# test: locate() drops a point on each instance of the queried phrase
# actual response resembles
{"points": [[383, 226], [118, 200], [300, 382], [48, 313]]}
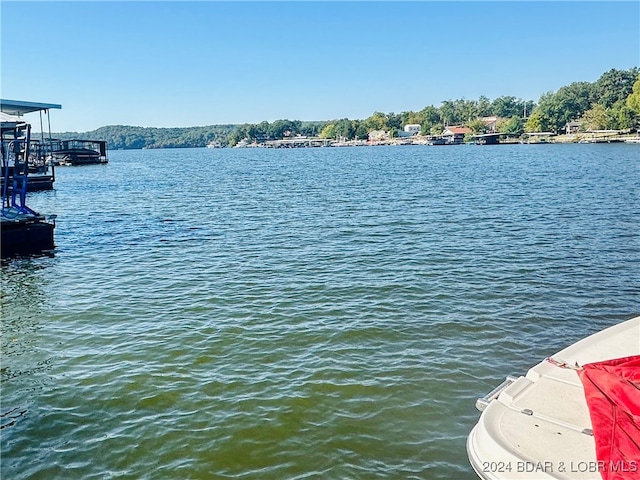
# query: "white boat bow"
{"points": [[538, 426]]}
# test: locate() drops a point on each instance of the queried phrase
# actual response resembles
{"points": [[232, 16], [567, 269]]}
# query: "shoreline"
{"points": [[315, 142]]}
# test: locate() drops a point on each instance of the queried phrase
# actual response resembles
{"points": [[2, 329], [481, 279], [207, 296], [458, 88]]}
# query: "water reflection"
{"points": [[23, 303]]}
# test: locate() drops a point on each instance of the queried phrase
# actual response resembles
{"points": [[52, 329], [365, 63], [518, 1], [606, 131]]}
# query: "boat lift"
{"points": [[15, 150]]}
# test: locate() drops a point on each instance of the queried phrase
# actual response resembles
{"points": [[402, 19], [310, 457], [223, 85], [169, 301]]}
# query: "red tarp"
{"points": [[612, 389]]}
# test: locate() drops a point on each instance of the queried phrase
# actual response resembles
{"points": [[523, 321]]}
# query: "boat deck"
{"points": [[539, 426]]}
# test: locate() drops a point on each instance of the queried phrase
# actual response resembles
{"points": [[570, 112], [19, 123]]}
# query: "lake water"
{"points": [[304, 313]]}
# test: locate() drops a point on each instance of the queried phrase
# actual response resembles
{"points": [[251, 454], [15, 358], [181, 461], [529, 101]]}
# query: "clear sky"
{"points": [[180, 64]]}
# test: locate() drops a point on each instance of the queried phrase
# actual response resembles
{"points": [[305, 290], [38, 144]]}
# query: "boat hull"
{"points": [[24, 237]]}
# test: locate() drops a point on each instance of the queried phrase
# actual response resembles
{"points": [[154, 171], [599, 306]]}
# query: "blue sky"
{"points": [[179, 64]]}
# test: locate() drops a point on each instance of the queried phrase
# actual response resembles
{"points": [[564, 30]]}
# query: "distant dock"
{"points": [[312, 142], [79, 152]]}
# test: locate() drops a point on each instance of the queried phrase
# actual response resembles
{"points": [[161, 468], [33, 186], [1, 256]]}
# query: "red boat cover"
{"points": [[612, 389]]}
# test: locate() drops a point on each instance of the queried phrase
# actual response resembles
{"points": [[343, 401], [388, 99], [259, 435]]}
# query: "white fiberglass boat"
{"points": [[576, 415]]}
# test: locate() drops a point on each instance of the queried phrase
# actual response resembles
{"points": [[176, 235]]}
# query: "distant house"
{"points": [[412, 128], [572, 127], [409, 130], [455, 134], [377, 135], [491, 123]]}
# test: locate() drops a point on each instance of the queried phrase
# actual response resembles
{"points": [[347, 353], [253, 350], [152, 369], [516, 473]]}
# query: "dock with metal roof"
{"points": [[22, 230]]}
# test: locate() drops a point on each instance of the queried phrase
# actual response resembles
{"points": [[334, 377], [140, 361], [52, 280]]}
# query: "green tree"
{"points": [[431, 117], [256, 132], [597, 118], [437, 129], [235, 136], [344, 129], [514, 126], [538, 122], [361, 132], [622, 116], [377, 121], [483, 106], [633, 100], [614, 86], [329, 131], [466, 110], [506, 107], [477, 126], [567, 104], [412, 118], [282, 128], [394, 120], [527, 108], [448, 113]]}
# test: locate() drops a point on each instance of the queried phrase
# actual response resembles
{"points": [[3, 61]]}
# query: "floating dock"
{"points": [[79, 152], [25, 233]]}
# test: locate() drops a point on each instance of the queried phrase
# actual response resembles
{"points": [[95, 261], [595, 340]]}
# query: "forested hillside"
{"points": [[127, 137]]}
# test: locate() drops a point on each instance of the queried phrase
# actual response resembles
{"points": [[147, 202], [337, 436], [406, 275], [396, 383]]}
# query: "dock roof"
{"points": [[19, 107]]}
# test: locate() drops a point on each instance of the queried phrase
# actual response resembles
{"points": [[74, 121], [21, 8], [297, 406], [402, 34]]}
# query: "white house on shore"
{"points": [[410, 130]]}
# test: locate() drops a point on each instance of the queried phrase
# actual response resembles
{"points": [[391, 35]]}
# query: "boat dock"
{"points": [[22, 230], [602, 136], [41, 168], [79, 152]]}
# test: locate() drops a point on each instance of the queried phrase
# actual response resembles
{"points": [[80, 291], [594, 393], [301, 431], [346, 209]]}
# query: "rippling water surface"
{"points": [[311, 313]]}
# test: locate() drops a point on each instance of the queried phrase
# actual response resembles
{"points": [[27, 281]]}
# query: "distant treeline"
{"points": [[611, 102], [127, 137]]}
